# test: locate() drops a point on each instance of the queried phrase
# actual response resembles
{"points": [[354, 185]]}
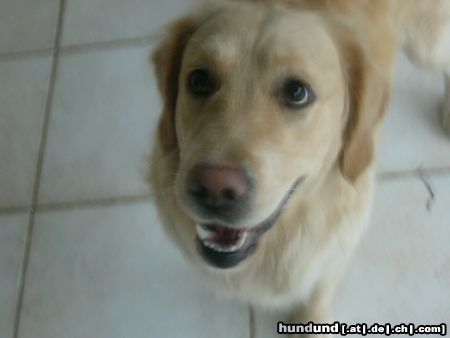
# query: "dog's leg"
{"points": [[425, 35], [318, 308]]}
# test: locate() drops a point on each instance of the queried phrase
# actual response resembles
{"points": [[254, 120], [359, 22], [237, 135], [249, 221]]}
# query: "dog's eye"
{"points": [[295, 94], [201, 83]]}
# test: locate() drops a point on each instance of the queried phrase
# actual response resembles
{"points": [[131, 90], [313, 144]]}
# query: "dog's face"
{"points": [[257, 108]]}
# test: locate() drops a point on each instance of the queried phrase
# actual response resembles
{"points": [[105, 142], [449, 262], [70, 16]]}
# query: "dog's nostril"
{"points": [[199, 191], [229, 194]]}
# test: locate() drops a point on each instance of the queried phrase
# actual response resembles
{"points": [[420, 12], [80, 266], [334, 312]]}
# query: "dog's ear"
{"points": [[167, 60], [369, 82]]}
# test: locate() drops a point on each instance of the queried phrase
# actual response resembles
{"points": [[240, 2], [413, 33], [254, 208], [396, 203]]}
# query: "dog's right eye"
{"points": [[201, 83], [295, 94]]}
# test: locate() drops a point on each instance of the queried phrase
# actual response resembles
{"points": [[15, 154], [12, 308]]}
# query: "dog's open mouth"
{"points": [[221, 238], [225, 247]]}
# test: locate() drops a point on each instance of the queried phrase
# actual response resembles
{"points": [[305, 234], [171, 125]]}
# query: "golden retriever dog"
{"points": [[263, 169]]}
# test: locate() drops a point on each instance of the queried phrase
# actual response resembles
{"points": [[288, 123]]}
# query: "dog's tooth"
{"points": [[242, 240], [217, 247], [214, 246], [202, 233]]}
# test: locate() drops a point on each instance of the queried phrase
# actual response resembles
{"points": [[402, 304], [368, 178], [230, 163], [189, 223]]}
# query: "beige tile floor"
{"points": [[81, 250]]}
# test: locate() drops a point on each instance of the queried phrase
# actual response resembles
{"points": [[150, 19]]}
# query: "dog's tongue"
{"points": [[224, 236], [221, 238]]}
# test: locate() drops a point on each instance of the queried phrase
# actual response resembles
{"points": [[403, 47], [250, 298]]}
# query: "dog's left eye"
{"points": [[296, 94], [201, 83]]}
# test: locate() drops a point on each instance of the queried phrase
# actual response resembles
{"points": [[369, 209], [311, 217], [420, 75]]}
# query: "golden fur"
{"points": [[346, 50]]}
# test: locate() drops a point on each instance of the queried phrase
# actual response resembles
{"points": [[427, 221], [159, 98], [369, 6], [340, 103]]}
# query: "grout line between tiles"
{"points": [[37, 177], [7, 56], [83, 47], [105, 45], [14, 210], [54, 206], [93, 203], [407, 174]]}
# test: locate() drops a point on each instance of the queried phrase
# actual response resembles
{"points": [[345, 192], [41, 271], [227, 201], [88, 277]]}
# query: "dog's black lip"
{"points": [[226, 260]]}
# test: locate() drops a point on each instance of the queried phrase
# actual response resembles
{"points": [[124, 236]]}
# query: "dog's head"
{"points": [[260, 102]]}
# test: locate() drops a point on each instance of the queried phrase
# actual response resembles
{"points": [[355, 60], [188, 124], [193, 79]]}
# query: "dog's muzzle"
{"points": [[223, 246]]}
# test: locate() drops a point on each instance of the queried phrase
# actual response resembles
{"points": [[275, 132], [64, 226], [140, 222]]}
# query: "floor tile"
{"points": [[412, 134], [104, 20], [27, 24], [101, 126], [23, 93], [401, 272], [110, 272], [12, 235]]}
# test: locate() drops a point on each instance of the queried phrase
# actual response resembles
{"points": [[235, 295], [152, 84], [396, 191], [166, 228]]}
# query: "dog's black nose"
{"points": [[220, 191]]}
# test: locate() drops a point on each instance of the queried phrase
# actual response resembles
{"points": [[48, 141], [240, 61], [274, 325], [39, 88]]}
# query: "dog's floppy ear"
{"points": [[368, 95], [167, 62]]}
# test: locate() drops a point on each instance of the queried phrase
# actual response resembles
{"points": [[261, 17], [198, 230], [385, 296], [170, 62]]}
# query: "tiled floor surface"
{"points": [[81, 251]]}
